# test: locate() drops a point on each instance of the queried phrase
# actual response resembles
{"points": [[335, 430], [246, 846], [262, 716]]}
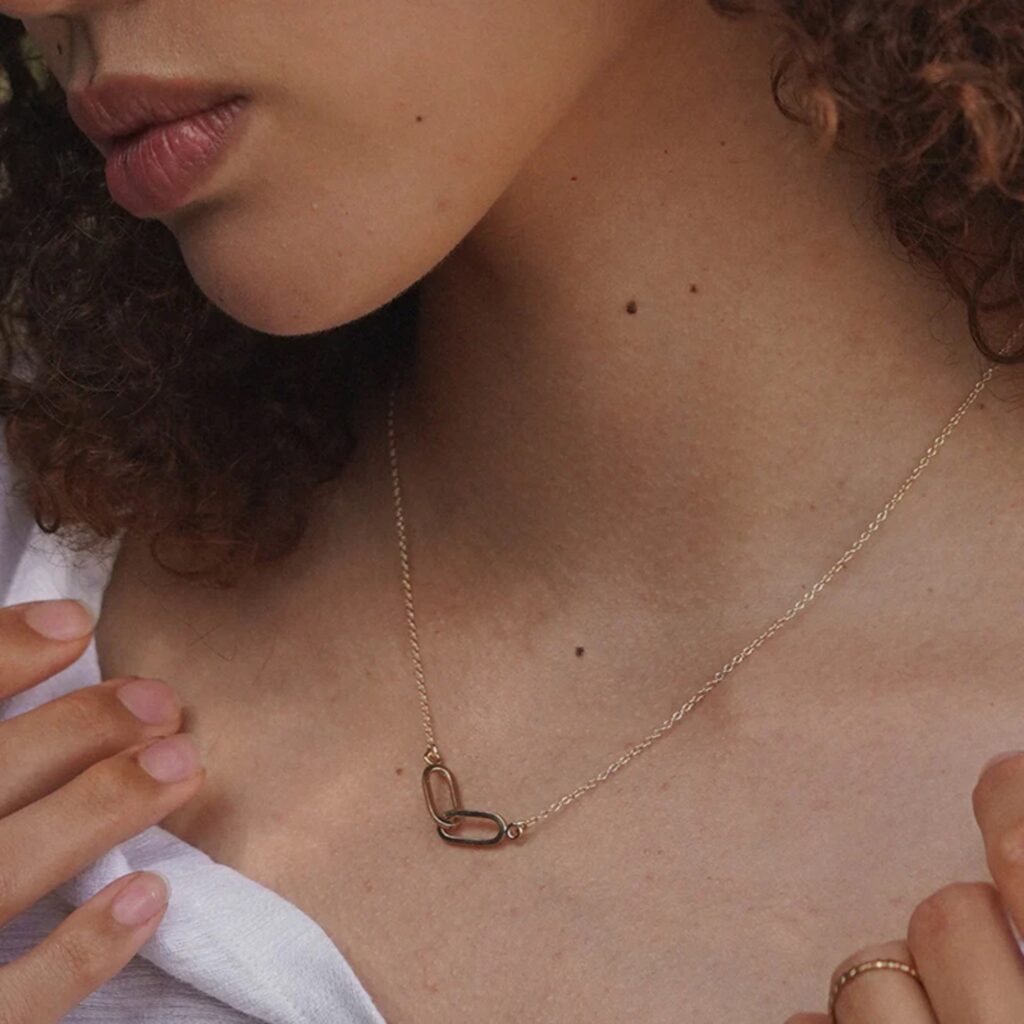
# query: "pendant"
{"points": [[456, 813]]}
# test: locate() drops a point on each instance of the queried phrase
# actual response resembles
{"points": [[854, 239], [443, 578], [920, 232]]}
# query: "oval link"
{"points": [[462, 813], [453, 793]]}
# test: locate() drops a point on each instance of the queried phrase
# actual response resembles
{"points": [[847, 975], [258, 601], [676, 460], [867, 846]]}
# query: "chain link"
{"points": [[433, 756]]}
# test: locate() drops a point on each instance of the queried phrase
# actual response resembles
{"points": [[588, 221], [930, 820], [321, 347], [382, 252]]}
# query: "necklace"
{"points": [[448, 821]]}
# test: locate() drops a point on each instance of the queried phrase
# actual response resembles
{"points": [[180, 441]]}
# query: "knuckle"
{"points": [[79, 956], [946, 910], [118, 789], [105, 787], [88, 715]]}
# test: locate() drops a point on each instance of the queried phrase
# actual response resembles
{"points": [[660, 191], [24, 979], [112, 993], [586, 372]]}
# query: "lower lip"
{"points": [[156, 171]]}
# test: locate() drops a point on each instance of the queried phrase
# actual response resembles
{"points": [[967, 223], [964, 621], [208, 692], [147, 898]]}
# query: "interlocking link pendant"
{"points": [[453, 816]]}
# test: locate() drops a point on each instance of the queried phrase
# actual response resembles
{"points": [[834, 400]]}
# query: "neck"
{"points": [[782, 372]]}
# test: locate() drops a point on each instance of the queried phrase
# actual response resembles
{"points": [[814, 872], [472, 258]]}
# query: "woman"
{"points": [[666, 354]]}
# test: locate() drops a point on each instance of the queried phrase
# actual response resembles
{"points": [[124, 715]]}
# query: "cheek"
{"points": [[322, 215], [319, 227], [49, 38], [369, 160]]}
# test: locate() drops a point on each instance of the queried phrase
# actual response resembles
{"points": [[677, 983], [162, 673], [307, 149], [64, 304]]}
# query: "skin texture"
{"points": [[668, 179], [959, 938], [656, 486], [372, 155]]}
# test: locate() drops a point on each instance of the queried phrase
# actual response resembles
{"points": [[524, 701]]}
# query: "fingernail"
{"points": [[172, 759], [999, 757], [150, 700], [140, 899], [60, 620]]}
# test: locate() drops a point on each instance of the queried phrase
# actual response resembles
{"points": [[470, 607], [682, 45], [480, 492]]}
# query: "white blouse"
{"points": [[228, 950]]}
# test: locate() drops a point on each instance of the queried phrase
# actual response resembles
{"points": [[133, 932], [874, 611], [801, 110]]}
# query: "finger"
{"points": [[967, 956], [38, 639], [880, 996], [87, 948], [104, 805], [43, 748], [998, 802]]}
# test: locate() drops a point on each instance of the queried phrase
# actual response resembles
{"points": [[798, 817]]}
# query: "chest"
{"points": [[797, 813]]}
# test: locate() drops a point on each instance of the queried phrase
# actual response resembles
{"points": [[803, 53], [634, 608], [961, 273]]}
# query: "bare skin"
{"points": [[799, 813], [655, 487]]}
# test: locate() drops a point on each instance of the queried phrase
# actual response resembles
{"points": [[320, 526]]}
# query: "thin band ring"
{"points": [[867, 965]]}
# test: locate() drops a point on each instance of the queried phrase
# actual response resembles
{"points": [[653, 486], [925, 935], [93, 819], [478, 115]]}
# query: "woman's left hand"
{"points": [[970, 968]]}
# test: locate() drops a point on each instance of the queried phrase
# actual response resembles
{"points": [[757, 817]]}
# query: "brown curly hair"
{"points": [[130, 401]]}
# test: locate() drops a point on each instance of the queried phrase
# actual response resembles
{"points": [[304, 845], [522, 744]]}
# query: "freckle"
{"points": [[60, 49], [574, 178], [721, 142], [419, 117], [693, 288], [399, 771], [367, 885], [631, 306], [579, 652]]}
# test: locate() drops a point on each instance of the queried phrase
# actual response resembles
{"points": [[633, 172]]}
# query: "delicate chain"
{"points": [[433, 756]]}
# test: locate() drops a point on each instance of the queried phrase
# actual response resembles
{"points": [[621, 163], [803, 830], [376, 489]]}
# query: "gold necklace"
{"points": [[451, 818]]}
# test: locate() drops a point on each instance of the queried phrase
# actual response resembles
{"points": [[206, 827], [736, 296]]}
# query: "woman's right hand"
{"points": [[78, 775]]}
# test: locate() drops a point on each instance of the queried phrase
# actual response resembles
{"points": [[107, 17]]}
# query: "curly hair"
{"points": [[130, 401]]}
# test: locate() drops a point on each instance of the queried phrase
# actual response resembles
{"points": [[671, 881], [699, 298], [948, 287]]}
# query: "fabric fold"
{"points": [[223, 934], [230, 937]]}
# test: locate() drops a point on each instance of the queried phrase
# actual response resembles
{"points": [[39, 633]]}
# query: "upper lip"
{"points": [[118, 105]]}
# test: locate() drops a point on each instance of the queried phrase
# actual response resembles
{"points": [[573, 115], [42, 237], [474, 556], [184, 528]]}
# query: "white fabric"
{"points": [[229, 950]]}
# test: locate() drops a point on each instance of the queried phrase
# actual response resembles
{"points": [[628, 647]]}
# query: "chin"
{"points": [[270, 306], [269, 282]]}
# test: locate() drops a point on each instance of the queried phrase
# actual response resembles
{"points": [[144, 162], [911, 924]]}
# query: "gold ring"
{"points": [[867, 965]]}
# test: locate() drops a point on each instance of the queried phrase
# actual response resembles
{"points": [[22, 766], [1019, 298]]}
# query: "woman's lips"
{"points": [[155, 171]]}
